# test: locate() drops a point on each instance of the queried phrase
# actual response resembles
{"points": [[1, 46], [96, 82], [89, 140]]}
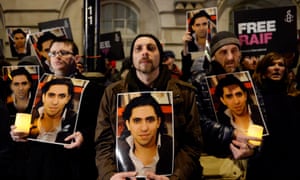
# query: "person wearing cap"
{"points": [[169, 58], [222, 140], [147, 73], [219, 139]]}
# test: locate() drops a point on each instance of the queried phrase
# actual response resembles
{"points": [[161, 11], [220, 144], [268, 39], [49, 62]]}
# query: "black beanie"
{"points": [[222, 38]]}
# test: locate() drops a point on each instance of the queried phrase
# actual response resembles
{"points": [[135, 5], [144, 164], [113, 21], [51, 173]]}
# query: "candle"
{"points": [[255, 131], [22, 122]]}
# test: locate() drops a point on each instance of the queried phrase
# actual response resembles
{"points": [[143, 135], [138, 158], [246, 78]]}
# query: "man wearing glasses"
{"points": [[50, 161], [64, 56]]}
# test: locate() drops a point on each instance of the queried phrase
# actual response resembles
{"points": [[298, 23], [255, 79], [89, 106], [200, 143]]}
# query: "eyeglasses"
{"points": [[60, 53]]}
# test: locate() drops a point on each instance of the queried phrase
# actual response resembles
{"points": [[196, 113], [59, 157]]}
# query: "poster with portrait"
{"points": [[195, 23], [19, 41], [20, 84], [56, 108], [145, 123], [40, 42], [234, 98]]}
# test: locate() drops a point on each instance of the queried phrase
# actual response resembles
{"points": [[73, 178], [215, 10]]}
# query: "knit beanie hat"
{"points": [[222, 38]]}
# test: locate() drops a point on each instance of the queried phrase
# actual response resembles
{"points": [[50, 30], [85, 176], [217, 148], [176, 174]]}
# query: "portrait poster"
{"points": [[56, 108], [32, 70], [64, 22], [229, 101], [19, 41], [145, 120], [211, 31], [58, 32], [265, 30], [111, 46]]}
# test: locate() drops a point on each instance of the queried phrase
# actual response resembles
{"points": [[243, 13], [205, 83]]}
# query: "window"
{"points": [[119, 17]]}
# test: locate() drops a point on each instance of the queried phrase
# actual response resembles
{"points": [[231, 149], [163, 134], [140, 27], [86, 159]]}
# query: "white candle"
{"points": [[22, 122], [255, 131]]}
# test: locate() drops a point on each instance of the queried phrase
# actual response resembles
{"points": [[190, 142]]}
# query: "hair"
{"points": [[17, 72], [61, 81], [157, 42], [168, 54], [21, 71], [201, 13], [144, 100], [18, 31], [66, 42], [264, 63], [43, 38], [126, 64]]}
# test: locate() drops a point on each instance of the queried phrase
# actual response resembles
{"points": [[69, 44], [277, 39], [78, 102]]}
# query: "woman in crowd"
{"points": [[272, 159]]}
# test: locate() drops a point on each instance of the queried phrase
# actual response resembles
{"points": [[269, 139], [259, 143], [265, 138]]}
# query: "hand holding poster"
{"points": [[56, 109], [145, 140]]}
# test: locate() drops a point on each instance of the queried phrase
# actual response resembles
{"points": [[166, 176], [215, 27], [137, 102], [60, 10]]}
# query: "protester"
{"points": [[249, 62], [148, 74], [21, 92], [277, 153], [222, 140], [169, 60], [75, 160]]}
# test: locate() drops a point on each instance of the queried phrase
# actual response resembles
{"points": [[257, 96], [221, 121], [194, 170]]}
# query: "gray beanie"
{"points": [[222, 38]]}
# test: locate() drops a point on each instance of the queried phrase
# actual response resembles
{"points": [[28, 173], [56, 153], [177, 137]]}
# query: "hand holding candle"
{"points": [[255, 131], [23, 122]]}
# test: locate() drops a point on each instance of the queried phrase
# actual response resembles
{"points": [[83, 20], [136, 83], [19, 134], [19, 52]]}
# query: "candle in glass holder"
{"points": [[255, 131], [22, 122]]}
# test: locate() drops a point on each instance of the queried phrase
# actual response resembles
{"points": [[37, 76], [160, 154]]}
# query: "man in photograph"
{"points": [[54, 119], [144, 145], [237, 108]]}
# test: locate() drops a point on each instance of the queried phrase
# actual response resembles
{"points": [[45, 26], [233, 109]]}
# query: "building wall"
{"points": [[156, 16]]}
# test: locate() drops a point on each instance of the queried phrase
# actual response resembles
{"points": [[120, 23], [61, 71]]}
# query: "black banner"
{"points": [[264, 30]]}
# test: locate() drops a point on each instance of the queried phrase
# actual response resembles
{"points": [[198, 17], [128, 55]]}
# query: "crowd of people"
{"points": [[90, 152]]}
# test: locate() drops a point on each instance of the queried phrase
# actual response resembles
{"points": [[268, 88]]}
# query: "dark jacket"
{"points": [[216, 135], [164, 164], [277, 152], [50, 161], [6, 155], [19, 150], [187, 132]]}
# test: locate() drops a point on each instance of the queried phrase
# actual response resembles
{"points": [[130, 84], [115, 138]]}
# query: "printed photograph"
{"points": [[56, 107], [19, 42], [41, 44], [145, 138], [235, 100], [202, 24], [20, 84]]}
